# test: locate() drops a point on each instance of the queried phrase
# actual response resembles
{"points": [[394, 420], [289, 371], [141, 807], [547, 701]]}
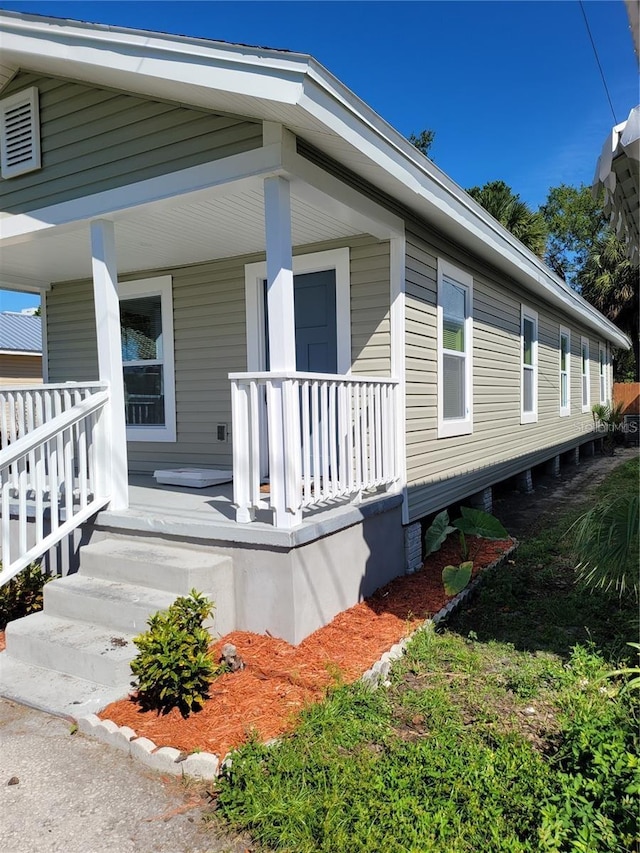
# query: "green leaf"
{"points": [[476, 522], [455, 578], [437, 532]]}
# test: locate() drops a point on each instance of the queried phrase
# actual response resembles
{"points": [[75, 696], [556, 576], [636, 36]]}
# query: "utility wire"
{"points": [[595, 53]]}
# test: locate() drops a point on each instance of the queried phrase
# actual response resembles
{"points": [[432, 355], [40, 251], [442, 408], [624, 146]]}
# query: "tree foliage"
{"points": [[575, 221], [507, 207], [423, 141]]}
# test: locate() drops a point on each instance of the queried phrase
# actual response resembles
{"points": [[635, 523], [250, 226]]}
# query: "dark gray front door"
{"points": [[314, 297], [315, 320]]}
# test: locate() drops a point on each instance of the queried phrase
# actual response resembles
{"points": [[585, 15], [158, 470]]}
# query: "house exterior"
{"points": [[244, 269], [20, 349]]}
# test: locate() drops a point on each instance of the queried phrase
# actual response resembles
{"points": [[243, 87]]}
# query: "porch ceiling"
{"points": [[173, 233]]}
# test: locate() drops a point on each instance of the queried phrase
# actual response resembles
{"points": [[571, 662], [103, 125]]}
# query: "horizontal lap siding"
{"points": [[440, 471], [20, 369], [370, 297], [96, 139], [210, 343]]}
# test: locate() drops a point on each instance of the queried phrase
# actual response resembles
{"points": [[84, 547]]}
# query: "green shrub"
{"points": [[173, 668], [594, 807], [22, 595]]}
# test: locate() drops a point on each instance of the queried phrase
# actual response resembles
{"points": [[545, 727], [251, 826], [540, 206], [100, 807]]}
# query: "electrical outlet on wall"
{"points": [[221, 432]]}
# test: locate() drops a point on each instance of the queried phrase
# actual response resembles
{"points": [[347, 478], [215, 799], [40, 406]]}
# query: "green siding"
{"points": [[97, 139], [443, 470], [210, 343]]}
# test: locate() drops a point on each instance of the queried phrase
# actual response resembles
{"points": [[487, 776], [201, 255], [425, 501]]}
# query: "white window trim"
{"points": [[565, 411], [529, 314], [458, 426], [30, 97], [602, 373], [586, 407], [255, 274], [158, 286]]}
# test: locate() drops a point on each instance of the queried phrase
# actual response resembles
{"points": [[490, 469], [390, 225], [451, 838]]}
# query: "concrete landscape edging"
{"points": [[207, 765]]}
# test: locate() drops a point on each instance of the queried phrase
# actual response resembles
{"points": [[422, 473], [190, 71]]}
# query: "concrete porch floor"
{"points": [[208, 514]]}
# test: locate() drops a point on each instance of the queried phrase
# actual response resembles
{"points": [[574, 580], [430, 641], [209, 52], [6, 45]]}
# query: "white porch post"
{"points": [[282, 343], [107, 310]]}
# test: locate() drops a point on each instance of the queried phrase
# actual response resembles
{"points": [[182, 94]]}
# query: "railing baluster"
{"points": [[306, 442], [333, 448], [315, 433], [6, 523], [254, 427]]}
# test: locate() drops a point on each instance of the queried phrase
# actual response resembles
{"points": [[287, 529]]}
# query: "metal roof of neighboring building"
{"points": [[20, 332]]}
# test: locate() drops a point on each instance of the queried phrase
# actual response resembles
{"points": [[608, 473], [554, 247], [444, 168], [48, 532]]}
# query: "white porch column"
{"points": [[107, 310], [282, 335], [282, 345]]}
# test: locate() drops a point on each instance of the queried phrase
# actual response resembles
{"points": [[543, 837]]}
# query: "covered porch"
{"points": [[300, 446]]}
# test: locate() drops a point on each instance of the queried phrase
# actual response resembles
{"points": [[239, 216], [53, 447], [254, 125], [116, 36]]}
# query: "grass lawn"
{"points": [[498, 733]]}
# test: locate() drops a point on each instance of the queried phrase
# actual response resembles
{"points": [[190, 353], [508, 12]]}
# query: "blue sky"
{"points": [[511, 89]]}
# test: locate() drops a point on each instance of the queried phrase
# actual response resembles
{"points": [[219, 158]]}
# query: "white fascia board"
{"points": [[74, 49], [216, 174], [20, 352], [23, 284]]}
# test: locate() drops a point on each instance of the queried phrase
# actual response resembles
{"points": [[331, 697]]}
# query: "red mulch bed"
{"points": [[279, 679], [2, 642]]}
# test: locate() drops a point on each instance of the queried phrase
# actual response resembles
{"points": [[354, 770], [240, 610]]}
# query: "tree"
{"points": [[423, 141], [503, 204], [609, 281], [575, 221]]}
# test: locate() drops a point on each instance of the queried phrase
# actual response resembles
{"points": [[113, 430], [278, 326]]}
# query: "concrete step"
{"points": [[76, 649], [148, 563], [156, 565], [115, 606], [52, 691]]}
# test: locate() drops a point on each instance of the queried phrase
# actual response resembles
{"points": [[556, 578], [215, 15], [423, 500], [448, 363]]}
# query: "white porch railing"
{"points": [[53, 476], [320, 437]]}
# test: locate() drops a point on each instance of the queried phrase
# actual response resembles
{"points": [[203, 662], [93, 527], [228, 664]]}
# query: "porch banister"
{"points": [[113, 450]]}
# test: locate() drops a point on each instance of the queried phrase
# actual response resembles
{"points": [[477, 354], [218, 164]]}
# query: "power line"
{"points": [[595, 53]]}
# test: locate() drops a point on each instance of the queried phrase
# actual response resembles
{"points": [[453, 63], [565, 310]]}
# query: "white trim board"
{"points": [[158, 286]]}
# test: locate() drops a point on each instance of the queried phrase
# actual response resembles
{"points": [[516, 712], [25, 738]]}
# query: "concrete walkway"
{"points": [[75, 795]]}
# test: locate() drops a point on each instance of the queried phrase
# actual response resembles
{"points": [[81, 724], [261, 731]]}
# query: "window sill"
{"points": [[450, 429], [529, 418]]}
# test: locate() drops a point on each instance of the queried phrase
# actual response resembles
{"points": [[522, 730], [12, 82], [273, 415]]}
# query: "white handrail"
{"points": [[51, 478], [327, 437]]}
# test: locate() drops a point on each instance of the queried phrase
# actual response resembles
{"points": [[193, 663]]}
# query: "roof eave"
{"points": [[191, 69]]}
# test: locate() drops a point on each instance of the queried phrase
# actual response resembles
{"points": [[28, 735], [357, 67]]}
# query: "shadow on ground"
{"points": [[533, 602]]}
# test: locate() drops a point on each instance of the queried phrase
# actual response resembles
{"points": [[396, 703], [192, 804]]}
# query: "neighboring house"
{"points": [[20, 349], [175, 194]]}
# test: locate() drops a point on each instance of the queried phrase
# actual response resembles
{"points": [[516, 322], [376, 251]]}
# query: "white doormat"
{"points": [[193, 478]]}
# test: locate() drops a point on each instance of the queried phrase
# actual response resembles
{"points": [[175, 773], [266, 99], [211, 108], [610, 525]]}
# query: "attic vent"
{"points": [[19, 133]]}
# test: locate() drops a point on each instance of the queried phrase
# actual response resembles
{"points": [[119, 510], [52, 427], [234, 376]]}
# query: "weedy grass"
{"points": [[500, 734]]}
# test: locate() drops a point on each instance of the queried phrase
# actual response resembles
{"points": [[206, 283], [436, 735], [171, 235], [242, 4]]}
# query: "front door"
{"points": [[314, 295], [314, 303], [314, 300]]}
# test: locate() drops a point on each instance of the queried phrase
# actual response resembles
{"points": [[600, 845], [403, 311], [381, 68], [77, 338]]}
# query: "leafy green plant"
{"points": [[22, 595], [473, 523], [593, 803], [173, 667], [632, 672], [606, 544], [608, 420]]}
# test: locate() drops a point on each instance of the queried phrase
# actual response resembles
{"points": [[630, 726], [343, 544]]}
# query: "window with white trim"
{"points": [[529, 379], [146, 331], [19, 133], [602, 368], [455, 351], [584, 373], [565, 372]]}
